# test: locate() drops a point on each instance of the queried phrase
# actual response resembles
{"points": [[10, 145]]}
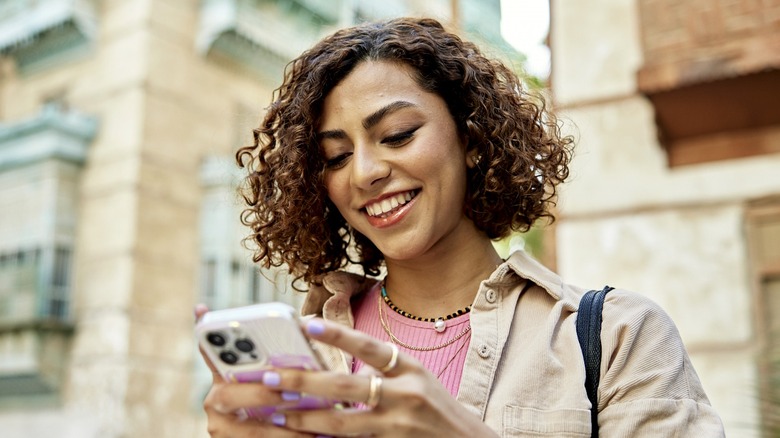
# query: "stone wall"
{"points": [[629, 220]]}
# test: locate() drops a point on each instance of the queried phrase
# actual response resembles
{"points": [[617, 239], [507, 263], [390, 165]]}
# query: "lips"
{"points": [[386, 206]]}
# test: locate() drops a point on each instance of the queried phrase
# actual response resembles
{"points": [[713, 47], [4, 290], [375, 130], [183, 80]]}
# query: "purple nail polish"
{"points": [[278, 419], [271, 378], [290, 396], [315, 327]]}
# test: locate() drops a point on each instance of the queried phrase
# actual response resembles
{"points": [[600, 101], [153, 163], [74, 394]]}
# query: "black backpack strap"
{"points": [[589, 335]]}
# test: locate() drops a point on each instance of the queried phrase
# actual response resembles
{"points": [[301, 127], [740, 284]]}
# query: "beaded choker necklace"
{"points": [[439, 323]]}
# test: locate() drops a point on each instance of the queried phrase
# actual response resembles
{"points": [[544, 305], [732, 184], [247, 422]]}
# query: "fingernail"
{"points": [[278, 419], [271, 378], [315, 327], [198, 310], [290, 396]]}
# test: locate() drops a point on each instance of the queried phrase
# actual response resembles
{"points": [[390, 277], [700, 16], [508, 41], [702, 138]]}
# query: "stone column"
{"points": [[137, 255]]}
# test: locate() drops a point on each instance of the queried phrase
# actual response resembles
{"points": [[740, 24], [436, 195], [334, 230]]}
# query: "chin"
{"points": [[401, 252]]}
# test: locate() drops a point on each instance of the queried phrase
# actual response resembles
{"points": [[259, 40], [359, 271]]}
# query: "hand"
{"points": [[409, 401], [225, 399]]}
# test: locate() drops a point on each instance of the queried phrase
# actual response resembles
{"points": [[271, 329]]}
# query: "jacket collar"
{"points": [[332, 298], [521, 264]]}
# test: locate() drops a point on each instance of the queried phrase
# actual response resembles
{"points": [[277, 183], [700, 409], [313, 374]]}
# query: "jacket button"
{"points": [[491, 296], [483, 351]]}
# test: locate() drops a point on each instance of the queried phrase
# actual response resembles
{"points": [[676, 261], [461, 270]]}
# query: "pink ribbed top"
{"points": [[446, 363]]}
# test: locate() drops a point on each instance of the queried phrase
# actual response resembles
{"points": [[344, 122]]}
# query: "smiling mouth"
{"points": [[386, 206]]}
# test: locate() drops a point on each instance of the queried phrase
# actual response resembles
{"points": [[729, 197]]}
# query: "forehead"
{"points": [[371, 85]]}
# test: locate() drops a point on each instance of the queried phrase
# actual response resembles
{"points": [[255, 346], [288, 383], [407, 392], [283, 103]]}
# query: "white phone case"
{"points": [[244, 342]]}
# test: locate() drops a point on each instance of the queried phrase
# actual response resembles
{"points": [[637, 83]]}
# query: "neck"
{"points": [[441, 283]]}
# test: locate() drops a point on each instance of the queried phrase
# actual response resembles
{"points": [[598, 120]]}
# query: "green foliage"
{"points": [[531, 242]]}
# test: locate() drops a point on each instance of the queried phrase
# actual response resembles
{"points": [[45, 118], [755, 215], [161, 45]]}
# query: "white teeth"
{"points": [[388, 204]]}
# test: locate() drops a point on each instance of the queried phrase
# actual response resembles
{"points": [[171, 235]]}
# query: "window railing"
{"points": [[35, 285]]}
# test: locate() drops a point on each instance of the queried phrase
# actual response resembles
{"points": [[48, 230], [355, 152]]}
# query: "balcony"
{"points": [[35, 330], [261, 36], [712, 72], [40, 162], [52, 134], [38, 33]]}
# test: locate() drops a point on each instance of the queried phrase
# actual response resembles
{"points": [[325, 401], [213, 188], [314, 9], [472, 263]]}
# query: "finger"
{"points": [[230, 397], [328, 387], [347, 422], [373, 352], [221, 426], [200, 310]]}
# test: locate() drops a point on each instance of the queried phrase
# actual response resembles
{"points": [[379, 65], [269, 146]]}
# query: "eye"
{"points": [[337, 162], [400, 138]]}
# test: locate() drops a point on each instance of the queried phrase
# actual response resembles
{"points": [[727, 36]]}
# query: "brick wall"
{"points": [[692, 41]]}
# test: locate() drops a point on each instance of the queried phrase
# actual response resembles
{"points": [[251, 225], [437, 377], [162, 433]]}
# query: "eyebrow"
{"points": [[371, 120], [379, 114]]}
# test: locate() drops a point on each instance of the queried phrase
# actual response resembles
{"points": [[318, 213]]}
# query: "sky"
{"points": [[524, 25]]}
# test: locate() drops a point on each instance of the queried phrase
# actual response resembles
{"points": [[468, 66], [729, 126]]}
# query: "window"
{"points": [[56, 304], [18, 285], [23, 294], [763, 227], [229, 277], [209, 282]]}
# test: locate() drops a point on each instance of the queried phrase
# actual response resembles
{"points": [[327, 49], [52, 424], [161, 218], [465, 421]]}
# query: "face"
{"points": [[395, 162]]}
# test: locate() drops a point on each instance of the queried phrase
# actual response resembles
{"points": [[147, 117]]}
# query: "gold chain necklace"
{"points": [[386, 326], [452, 359]]}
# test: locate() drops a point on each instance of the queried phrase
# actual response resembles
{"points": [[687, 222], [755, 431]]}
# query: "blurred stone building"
{"points": [[675, 189], [118, 121]]}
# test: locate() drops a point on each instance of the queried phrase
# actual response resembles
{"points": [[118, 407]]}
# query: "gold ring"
{"points": [[374, 391], [393, 360]]}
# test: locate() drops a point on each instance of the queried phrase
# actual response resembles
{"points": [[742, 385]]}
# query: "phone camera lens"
{"points": [[245, 345], [228, 357], [216, 339]]}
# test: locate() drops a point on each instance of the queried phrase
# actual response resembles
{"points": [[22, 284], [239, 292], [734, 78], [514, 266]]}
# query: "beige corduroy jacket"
{"points": [[524, 373]]}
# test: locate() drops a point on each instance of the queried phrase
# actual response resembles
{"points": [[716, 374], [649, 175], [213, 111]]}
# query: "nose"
{"points": [[369, 166]]}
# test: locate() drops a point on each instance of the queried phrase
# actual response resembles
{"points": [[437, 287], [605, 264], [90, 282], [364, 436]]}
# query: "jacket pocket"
{"points": [[530, 422]]}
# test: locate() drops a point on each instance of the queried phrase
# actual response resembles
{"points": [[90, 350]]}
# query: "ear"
{"points": [[473, 158]]}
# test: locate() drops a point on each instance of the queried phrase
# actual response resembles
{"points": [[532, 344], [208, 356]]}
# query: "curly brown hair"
{"points": [[523, 155]]}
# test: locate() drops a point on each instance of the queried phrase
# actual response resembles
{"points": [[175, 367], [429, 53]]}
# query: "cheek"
{"points": [[334, 188]]}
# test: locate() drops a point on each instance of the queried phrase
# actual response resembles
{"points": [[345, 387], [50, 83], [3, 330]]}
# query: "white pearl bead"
{"points": [[439, 325]]}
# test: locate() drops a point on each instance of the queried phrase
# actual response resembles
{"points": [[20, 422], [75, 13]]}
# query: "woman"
{"points": [[397, 145]]}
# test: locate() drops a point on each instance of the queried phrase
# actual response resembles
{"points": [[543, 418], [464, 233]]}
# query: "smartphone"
{"points": [[244, 342]]}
